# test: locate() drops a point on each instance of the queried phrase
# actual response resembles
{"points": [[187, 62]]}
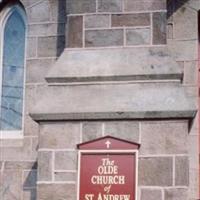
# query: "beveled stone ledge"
{"points": [[114, 101], [115, 64], [114, 115]]}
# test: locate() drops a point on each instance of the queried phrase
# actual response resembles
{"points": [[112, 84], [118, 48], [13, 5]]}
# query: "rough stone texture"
{"points": [[159, 28], [176, 194], [109, 5], [29, 3], [32, 93], [11, 142], [185, 20], [97, 21], [56, 191], [193, 153], [190, 72], [182, 171], [137, 19], [23, 152], [137, 36], [51, 46], [20, 165], [59, 135], [31, 47], [36, 69], [46, 29], [29, 179], [169, 31], [115, 64], [81, 6], [30, 97], [65, 160], [44, 166], [10, 184], [30, 194], [161, 137], [35, 148], [91, 130], [161, 166], [45, 25], [39, 12], [151, 194], [75, 31], [58, 11], [194, 184], [183, 49], [144, 101], [31, 128], [144, 5], [65, 176], [128, 130], [194, 4], [103, 38]]}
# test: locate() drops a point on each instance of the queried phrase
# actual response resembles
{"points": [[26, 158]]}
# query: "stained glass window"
{"points": [[12, 73]]}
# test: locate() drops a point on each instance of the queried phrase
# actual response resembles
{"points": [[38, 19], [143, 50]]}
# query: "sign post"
{"points": [[107, 169]]}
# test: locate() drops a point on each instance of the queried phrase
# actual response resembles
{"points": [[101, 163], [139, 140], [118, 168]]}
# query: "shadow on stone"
{"points": [[29, 185], [61, 20], [173, 5]]}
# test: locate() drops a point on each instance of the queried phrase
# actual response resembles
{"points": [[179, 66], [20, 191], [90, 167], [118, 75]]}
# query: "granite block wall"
{"points": [[116, 23], [48, 170], [182, 40], [45, 42], [163, 160]]}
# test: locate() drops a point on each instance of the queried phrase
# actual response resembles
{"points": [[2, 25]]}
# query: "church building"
{"points": [[99, 99]]}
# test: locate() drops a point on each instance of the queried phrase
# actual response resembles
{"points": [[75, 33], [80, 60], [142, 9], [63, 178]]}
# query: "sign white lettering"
{"points": [[107, 174]]}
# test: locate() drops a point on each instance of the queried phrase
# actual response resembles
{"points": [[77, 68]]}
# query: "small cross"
{"points": [[108, 143]]}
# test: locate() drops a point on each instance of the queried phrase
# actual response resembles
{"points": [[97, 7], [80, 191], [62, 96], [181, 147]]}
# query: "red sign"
{"points": [[107, 173]]}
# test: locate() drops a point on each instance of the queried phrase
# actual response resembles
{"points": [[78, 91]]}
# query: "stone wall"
{"points": [[104, 23], [163, 156], [183, 43], [168, 157], [45, 42]]}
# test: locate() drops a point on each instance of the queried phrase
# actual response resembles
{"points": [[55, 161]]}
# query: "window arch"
{"points": [[13, 37]]}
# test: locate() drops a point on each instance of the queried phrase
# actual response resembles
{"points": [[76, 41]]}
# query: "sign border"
{"points": [[135, 151]]}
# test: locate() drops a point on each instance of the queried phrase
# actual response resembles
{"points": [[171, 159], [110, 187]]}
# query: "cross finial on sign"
{"points": [[108, 143]]}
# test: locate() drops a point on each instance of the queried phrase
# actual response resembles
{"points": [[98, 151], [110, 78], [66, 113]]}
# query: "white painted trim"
{"points": [[78, 176], [11, 134], [134, 152], [121, 151], [4, 16], [136, 175]]}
